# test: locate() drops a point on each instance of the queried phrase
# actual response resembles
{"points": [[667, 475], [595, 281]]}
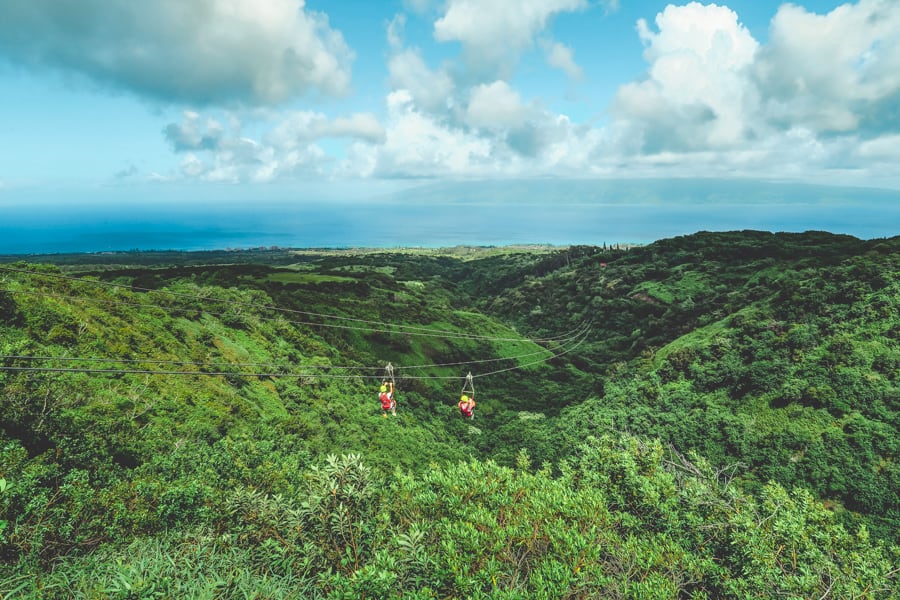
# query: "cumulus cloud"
{"points": [[194, 133], [304, 126], [695, 94], [430, 89], [234, 52], [836, 72], [481, 127], [498, 109], [419, 145], [560, 56], [713, 102], [885, 149], [497, 135], [495, 32], [217, 152], [192, 166], [817, 101], [495, 106]]}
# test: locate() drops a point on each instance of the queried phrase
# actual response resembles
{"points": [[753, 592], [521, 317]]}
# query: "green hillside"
{"points": [[712, 416], [779, 352]]}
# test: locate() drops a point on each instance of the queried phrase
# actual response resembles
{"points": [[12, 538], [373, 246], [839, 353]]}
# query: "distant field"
{"points": [[457, 251], [286, 277], [291, 257]]}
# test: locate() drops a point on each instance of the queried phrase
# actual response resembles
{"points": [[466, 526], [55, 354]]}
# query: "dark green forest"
{"points": [[708, 416]]}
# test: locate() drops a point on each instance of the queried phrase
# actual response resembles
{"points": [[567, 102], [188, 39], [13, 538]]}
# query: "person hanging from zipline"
{"points": [[467, 406], [466, 402], [386, 396], [386, 392]]}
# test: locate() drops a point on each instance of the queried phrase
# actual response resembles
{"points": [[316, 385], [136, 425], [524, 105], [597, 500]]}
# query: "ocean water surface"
{"points": [[434, 217]]}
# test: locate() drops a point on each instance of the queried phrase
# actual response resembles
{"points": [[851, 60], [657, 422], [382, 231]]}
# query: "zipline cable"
{"points": [[272, 374], [173, 362], [432, 332], [238, 364], [580, 334], [487, 360], [574, 335], [260, 364], [534, 362], [401, 328]]}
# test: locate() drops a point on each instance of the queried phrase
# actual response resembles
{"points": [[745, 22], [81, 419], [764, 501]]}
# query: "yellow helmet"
{"points": [[464, 398]]}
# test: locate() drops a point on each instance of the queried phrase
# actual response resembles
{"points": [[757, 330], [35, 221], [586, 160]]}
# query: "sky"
{"points": [[135, 100]]}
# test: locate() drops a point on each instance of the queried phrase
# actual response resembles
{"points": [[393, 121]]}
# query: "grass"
{"points": [[287, 277]]}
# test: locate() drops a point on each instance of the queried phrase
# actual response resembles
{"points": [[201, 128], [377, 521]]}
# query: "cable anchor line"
{"points": [[468, 384], [217, 366], [468, 388], [376, 326]]}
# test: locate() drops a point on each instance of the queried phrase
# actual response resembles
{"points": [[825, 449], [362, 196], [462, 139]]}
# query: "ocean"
{"points": [[428, 218]]}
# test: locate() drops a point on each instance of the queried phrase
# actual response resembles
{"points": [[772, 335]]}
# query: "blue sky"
{"points": [[133, 100]]}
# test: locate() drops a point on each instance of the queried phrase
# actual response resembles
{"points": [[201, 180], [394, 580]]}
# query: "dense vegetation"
{"points": [[727, 428]]}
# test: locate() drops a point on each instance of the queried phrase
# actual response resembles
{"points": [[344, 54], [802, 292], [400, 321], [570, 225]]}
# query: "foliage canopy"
{"points": [[727, 429]]}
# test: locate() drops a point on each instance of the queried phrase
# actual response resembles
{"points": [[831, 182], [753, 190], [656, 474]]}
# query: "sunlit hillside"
{"points": [[708, 416]]}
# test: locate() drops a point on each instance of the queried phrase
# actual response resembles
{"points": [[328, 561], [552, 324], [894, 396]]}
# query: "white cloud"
{"points": [[561, 57], [697, 91], [199, 52], [835, 72], [713, 102], [885, 149], [303, 126], [395, 31], [361, 126], [481, 129], [192, 166], [429, 89], [288, 149], [499, 136], [818, 102], [192, 134], [418, 145], [495, 32], [495, 106]]}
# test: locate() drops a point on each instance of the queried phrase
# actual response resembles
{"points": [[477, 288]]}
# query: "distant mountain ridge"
{"points": [[652, 191]]}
